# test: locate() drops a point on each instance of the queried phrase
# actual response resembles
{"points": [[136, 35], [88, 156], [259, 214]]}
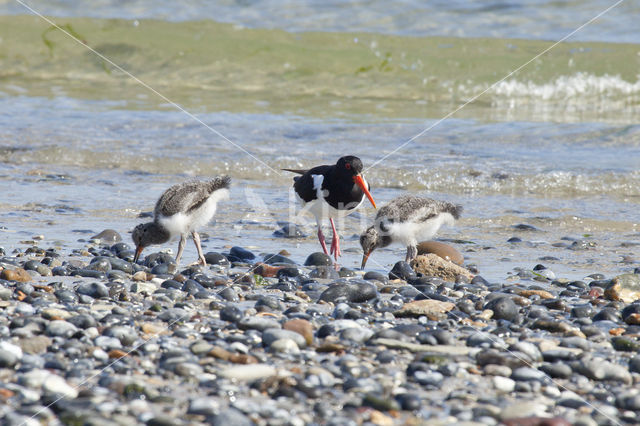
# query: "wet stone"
{"points": [[607, 314], [100, 263], [82, 321], [355, 292], [318, 259], [94, 290], [60, 328], [8, 359], [503, 308], [625, 344], [357, 335], [242, 254], [229, 294], [158, 258], [108, 236], [582, 311], [61, 271], [376, 276], [257, 323], [273, 259], [528, 374], [121, 265], [599, 369], [269, 302], [557, 370], [346, 273], [325, 272], [214, 258], [271, 335], [288, 272], [289, 230], [90, 273], [230, 416], [402, 270]]}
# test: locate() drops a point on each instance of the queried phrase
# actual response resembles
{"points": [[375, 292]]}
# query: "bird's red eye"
{"points": [[347, 166]]}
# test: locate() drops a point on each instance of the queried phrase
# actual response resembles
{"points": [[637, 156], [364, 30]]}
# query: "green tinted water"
{"points": [[206, 66]]}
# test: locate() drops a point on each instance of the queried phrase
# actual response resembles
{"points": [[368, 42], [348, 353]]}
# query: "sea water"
{"points": [[423, 94]]}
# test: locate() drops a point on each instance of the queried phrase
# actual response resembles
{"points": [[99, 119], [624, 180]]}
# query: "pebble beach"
{"points": [[88, 337]]}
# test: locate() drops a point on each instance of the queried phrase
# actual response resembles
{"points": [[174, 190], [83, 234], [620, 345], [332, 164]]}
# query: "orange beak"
{"points": [[138, 253], [365, 257], [360, 182]]}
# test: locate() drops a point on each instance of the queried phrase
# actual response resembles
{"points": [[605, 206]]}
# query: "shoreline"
{"points": [[139, 345]]}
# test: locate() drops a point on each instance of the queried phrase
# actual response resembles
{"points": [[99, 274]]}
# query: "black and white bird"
{"points": [[332, 192], [180, 210], [407, 220]]}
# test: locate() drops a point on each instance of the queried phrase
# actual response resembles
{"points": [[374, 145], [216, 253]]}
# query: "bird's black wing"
{"points": [[303, 185]]}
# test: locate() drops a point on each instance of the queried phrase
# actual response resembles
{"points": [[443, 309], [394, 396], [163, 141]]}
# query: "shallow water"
{"points": [[557, 146]]}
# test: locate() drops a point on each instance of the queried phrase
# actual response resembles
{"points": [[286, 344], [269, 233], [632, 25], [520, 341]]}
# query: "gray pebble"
{"points": [[270, 335], [60, 328], [258, 323]]}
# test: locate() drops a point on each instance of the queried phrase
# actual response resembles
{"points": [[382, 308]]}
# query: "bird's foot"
{"points": [[200, 262], [322, 241], [335, 248]]}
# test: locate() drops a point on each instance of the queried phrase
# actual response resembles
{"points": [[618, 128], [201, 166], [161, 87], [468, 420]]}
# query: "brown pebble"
{"points": [[266, 271], [220, 353], [331, 347], [180, 278], [6, 393], [154, 329], [542, 293], [633, 319], [433, 309], [117, 354], [17, 274], [243, 359], [284, 253], [443, 250], [616, 331], [142, 276], [302, 327], [536, 421]]}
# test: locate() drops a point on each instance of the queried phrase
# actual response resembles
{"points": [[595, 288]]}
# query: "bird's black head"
{"points": [[349, 165], [147, 234]]}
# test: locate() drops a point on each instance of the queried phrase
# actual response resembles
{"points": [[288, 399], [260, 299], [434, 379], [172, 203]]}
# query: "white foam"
{"points": [[566, 87]]}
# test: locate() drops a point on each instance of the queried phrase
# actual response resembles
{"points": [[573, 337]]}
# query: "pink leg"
{"points": [[321, 239], [335, 242]]}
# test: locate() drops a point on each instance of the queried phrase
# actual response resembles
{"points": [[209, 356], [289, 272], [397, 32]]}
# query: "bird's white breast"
{"points": [[182, 223], [410, 233]]}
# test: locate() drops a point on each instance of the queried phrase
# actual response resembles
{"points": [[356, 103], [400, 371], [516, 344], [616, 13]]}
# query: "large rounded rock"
{"points": [[625, 287], [503, 308], [432, 265], [355, 292], [433, 309], [108, 236], [445, 251], [17, 274], [318, 259], [242, 254]]}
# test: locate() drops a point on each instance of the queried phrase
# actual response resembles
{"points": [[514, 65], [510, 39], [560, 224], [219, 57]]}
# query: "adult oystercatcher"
{"points": [[332, 192], [407, 220], [180, 210]]}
